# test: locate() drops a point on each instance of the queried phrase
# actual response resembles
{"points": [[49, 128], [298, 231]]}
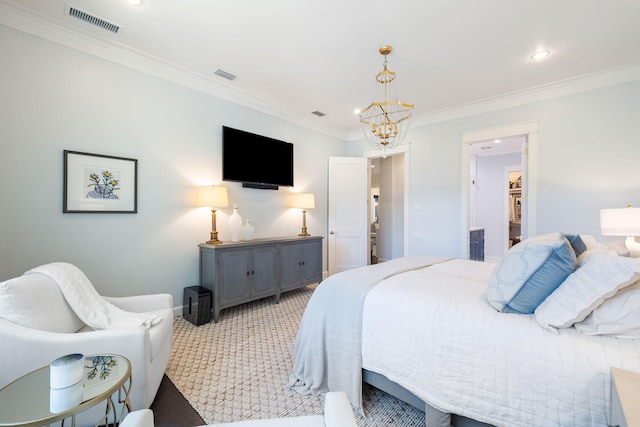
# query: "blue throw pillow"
{"points": [[530, 272], [577, 243]]}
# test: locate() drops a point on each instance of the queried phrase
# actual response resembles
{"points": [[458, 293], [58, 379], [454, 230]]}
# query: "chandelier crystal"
{"points": [[386, 120]]}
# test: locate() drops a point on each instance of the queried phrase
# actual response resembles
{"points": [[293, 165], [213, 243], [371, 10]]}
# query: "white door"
{"points": [[348, 233]]}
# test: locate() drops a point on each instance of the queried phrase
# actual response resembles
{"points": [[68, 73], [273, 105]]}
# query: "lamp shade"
{"points": [[213, 197], [620, 222], [304, 201]]}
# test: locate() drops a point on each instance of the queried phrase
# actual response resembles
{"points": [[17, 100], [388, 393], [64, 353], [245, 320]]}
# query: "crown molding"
{"points": [[17, 17], [553, 90]]}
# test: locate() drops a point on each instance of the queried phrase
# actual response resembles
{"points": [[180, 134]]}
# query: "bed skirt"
{"points": [[434, 417]]}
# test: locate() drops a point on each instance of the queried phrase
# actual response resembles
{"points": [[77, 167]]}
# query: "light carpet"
{"points": [[238, 368]]}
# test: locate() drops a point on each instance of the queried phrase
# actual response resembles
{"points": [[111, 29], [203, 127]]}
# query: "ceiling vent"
{"points": [[93, 20], [318, 113], [224, 74]]}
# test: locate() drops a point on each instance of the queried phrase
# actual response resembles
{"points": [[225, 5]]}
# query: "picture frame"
{"points": [[97, 183]]}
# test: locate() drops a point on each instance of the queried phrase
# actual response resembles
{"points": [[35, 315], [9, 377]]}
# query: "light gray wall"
{"points": [[54, 98], [587, 160]]}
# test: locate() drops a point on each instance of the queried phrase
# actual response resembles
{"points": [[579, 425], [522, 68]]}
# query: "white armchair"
{"points": [[337, 413], [37, 325]]}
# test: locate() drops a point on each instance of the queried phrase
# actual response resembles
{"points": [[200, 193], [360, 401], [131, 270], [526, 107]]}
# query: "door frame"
{"points": [[529, 170]]}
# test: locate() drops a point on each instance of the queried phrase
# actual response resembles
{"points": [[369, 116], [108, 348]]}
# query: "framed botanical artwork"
{"points": [[95, 183]]}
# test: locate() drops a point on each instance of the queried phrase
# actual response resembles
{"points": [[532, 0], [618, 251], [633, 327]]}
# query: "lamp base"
{"points": [[633, 247], [214, 239], [304, 233]]}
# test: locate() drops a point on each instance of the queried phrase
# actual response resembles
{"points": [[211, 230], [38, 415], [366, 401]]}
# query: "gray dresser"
{"points": [[239, 272]]}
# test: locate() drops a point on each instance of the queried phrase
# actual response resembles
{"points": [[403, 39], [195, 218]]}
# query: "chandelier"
{"points": [[386, 120]]}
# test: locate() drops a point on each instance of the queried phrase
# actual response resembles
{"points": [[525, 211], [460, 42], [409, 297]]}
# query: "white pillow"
{"points": [[529, 272], [618, 316], [598, 278], [595, 248], [35, 301]]}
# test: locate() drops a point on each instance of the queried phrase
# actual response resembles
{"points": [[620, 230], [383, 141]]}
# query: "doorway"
{"points": [[349, 214], [388, 198], [491, 163], [469, 211], [386, 216]]}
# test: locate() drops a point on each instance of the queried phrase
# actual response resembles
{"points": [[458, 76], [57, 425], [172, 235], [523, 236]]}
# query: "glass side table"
{"points": [[30, 401]]}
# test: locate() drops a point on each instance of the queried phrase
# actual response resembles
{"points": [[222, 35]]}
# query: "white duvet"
{"points": [[433, 332]]}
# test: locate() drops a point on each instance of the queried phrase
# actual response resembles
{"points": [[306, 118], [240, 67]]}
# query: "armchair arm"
{"points": [[26, 349], [139, 418], [337, 410], [141, 303]]}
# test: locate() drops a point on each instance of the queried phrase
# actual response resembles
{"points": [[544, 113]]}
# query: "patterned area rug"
{"points": [[238, 368]]}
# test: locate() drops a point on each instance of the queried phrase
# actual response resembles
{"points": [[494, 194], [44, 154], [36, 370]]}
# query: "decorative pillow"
{"points": [[577, 244], [529, 272], [618, 316], [600, 277], [589, 241], [35, 301], [593, 247]]}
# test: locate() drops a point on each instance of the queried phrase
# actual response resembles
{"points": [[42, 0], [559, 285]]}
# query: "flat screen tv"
{"points": [[256, 161]]}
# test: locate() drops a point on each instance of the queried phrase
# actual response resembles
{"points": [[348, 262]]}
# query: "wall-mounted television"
{"points": [[256, 161]]}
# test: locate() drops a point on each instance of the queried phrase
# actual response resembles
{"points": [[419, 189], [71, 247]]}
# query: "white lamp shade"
{"points": [[620, 222], [213, 197], [304, 201]]}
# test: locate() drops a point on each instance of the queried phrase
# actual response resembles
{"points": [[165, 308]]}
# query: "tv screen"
{"points": [[256, 159]]}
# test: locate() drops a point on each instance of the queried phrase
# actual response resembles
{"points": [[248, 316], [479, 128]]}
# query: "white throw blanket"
{"points": [[85, 301], [327, 352]]}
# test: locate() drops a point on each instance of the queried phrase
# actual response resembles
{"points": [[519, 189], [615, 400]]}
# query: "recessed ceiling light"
{"points": [[356, 111], [497, 141], [540, 55], [134, 2]]}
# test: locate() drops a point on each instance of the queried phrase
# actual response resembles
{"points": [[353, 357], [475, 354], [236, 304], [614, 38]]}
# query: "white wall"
{"points": [[54, 98], [587, 160]]}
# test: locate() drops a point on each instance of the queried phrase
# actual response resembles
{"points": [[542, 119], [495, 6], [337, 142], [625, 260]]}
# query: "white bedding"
{"points": [[433, 332]]}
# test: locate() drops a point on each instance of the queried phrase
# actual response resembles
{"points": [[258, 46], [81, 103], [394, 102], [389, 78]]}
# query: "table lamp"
{"points": [[622, 222], [304, 201], [213, 197]]}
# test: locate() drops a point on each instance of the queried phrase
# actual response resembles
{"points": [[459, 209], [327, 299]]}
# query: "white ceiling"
{"points": [[293, 57], [498, 147]]}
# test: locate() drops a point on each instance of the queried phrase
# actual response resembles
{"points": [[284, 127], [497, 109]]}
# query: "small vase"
{"points": [[235, 224], [247, 231]]}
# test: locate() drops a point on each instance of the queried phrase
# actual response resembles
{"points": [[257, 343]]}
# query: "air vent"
{"points": [[224, 74], [93, 20], [318, 113]]}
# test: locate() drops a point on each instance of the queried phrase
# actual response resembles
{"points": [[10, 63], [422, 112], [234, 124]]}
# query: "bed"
{"points": [[455, 336]]}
